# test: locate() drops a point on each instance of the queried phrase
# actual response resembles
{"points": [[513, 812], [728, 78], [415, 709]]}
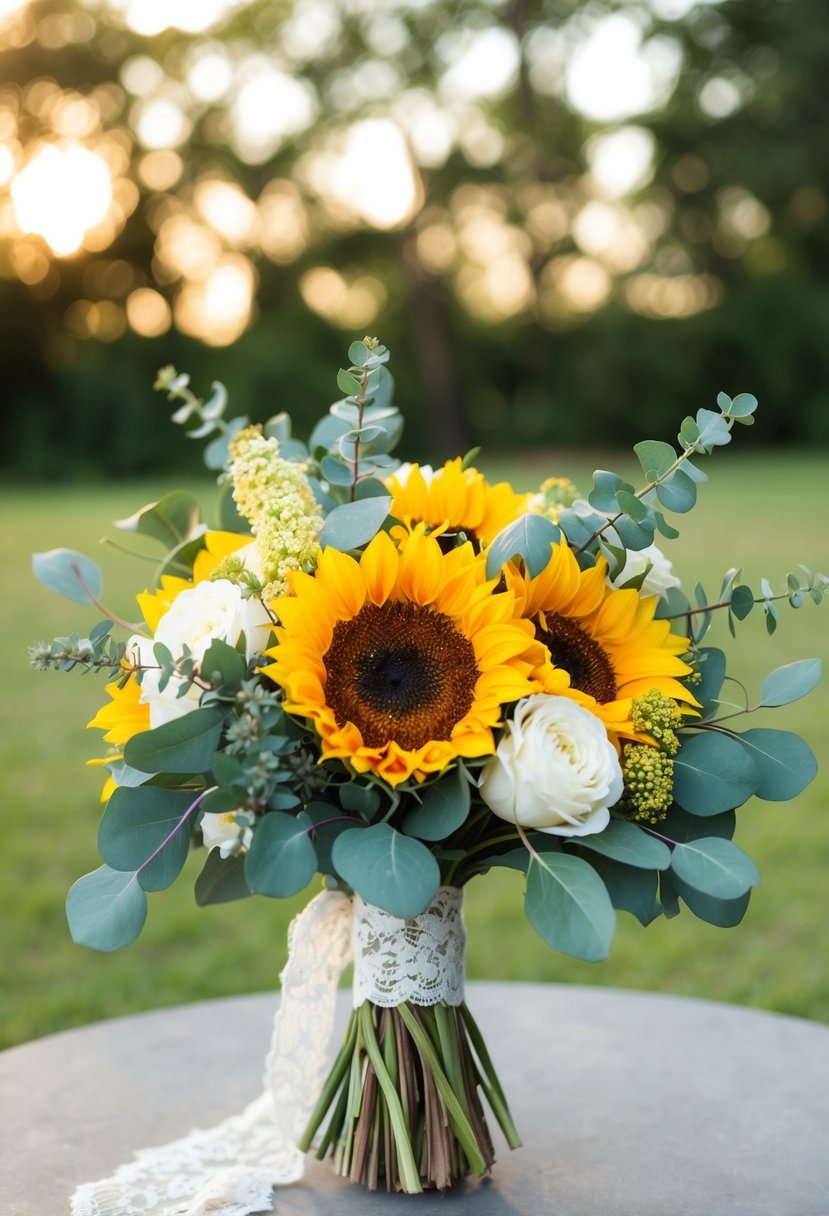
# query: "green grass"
{"points": [[769, 513]]}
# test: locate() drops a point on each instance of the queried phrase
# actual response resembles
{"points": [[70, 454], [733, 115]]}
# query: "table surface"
{"points": [[630, 1104]]}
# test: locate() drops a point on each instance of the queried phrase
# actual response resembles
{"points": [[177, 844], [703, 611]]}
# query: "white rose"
{"points": [[659, 579], [555, 770], [197, 617], [222, 831]]}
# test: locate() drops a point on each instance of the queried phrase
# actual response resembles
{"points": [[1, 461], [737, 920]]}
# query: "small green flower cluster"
{"points": [[649, 783], [660, 717], [274, 495]]}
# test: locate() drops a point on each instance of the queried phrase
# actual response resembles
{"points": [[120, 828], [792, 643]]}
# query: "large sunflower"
{"points": [[402, 660], [125, 714], [456, 499], [605, 639]]}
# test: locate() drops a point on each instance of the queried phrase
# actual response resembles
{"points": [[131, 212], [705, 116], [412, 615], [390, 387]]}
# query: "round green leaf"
{"points": [[185, 745], [790, 683], [106, 909], [715, 867], [221, 880], [70, 574], [725, 913], [713, 773], [136, 823], [629, 844], [568, 905], [785, 762], [444, 808], [354, 523], [281, 859], [529, 537], [388, 869]]}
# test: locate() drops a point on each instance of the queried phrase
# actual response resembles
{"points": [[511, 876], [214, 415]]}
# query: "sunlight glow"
{"points": [[62, 193], [217, 309], [349, 304], [269, 106], [613, 75], [621, 161], [370, 176]]}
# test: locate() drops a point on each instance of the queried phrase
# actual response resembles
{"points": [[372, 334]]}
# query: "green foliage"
{"points": [[69, 573], [143, 831], [713, 773], [106, 909], [222, 880], [185, 745], [567, 904], [626, 843], [530, 538], [388, 869], [173, 519], [785, 762], [281, 859], [443, 808], [353, 524], [715, 867]]}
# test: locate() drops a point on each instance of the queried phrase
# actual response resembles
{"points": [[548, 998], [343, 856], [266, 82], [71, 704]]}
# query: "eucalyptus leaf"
{"points": [[106, 909], [677, 492], [221, 880], [715, 867], [392, 871], [354, 523], [185, 745], [625, 842], [725, 913], [567, 904], [630, 888], [137, 823], [790, 683], [281, 859], [222, 665], [70, 574], [655, 457], [530, 537], [443, 810], [712, 674], [713, 772], [785, 762], [172, 519]]}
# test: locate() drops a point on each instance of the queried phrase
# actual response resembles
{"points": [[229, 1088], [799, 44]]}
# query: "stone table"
{"points": [[630, 1104]]}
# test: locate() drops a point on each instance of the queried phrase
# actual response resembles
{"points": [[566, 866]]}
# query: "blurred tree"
{"points": [[535, 203]]}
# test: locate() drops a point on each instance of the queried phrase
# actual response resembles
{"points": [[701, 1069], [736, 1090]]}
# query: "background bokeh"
{"points": [[572, 222], [560, 216]]}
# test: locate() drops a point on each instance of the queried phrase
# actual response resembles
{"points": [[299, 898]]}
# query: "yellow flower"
{"points": [[401, 660], [605, 640], [456, 499], [125, 715]]}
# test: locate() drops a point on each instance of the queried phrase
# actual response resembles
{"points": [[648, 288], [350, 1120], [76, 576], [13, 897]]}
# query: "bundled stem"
{"points": [[403, 1100]]}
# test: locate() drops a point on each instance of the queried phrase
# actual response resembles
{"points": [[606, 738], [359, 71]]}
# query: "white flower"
{"points": [[659, 579], [555, 770], [197, 617], [224, 832]]}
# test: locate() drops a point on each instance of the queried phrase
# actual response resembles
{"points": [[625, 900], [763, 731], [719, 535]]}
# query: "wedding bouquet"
{"points": [[399, 678]]}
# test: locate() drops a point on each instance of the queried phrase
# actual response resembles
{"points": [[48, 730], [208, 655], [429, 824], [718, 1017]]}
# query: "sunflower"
{"points": [[125, 714], [456, 499], [401, 660], [606, 640]]}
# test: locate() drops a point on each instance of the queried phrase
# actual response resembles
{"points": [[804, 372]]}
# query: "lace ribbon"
{"points": [[231, 1169]]}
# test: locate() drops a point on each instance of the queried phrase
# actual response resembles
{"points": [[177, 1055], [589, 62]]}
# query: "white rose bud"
{"points": [[659, 579], [223, 831], [555, 770], [197, 617]]}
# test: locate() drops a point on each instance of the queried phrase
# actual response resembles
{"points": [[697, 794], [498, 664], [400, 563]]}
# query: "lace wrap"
{"points": [[419, 960]]}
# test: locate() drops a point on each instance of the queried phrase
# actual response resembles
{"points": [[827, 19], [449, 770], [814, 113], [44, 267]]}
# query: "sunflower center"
{"points": [[400, 673], [581, 656]]}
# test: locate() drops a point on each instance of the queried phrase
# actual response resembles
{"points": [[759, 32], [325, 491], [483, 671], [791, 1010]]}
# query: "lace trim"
{"points": [[418, 960], [231, 1169]]}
